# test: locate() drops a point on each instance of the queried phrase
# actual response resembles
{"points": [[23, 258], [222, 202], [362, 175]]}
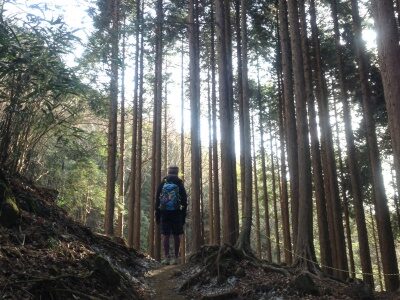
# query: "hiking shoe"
{"points": [[165, 261], [174, 261]]}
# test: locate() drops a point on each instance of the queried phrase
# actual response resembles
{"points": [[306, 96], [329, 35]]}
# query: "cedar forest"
{"points": [[284, 121]]}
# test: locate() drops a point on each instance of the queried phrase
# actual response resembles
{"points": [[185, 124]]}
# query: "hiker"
{"points": [[171, 204]]}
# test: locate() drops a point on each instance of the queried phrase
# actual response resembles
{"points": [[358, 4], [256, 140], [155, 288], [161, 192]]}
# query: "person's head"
{"points": [[173, 170]]}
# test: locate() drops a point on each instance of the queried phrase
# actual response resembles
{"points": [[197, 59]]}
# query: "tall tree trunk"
{"points": [[228, 40], [138, 170], [343, 182], [245, 234], [290, 117], [257, 206], [210, 164], [228, 172], [132, 191], [194, 56], [201, 202], [334, 212], [264, 179], [216, 217], [121, 202], [182, 156], [375, 239], [284, 189], [240, 102], [395, 197], [154, 236], [278, 249], [378, 186], [389, 53], [112, 125], [351, 155], [278, 179], [304, 242], [165, 138], [319, 190]]}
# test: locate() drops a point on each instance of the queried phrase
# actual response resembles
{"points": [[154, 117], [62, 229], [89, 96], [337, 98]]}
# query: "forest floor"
{"points": [[163, 284], [44, 254], [241, 278]]}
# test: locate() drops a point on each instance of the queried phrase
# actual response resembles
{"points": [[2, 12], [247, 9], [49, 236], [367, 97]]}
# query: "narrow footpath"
{"points": [[162, 281]]}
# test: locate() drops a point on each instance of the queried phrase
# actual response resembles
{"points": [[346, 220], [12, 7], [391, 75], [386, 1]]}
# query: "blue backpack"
{"points": [[169, 197]]}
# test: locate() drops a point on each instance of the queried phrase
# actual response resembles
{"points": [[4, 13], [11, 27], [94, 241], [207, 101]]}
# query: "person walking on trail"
{"points": [[171, 205]]}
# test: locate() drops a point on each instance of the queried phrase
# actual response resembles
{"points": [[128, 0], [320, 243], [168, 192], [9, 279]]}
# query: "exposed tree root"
{"points": [[191, 280], [270, 268], [305, 263], [222, 262], [215, 272]]}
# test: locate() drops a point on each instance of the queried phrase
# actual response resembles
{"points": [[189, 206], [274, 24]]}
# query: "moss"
{"points": [[9, 210]]}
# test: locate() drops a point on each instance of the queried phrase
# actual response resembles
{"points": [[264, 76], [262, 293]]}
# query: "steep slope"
{"points": [[44, 254]]}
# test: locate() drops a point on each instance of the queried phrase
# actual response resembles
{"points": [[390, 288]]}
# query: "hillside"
{"points": [[44, 254]]}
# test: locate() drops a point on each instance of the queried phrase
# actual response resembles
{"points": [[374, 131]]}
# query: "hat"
{"points": [[173, 170]]}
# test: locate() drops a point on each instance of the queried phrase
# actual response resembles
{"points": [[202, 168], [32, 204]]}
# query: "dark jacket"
{"points": [[181, 214]]}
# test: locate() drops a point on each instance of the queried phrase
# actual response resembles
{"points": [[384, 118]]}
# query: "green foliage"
{"points": [[76, 168], [48, 116], [40, 95]]}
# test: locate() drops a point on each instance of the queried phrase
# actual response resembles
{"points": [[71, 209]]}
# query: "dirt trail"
{"points": [[163, 282]]}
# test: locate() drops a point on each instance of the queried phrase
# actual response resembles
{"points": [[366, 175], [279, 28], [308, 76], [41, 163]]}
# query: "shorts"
{"points": [[171, 223]]}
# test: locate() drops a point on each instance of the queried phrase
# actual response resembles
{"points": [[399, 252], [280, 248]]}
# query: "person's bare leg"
{"points": [[177, 243], [166, 247]]}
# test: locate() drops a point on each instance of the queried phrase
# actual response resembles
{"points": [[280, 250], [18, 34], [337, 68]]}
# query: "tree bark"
{"points": [[217, 218], [278, 248], [284, 194], [389, 53], [245, 234], [343, 182], [182, 156], [336, 230], [228, 172], [264, 181], [319, 190], [290, 117], [132, 191], [256, 195], [375, 239], [228, 40], [154, 236], [112, 126], [351, 155], [138, 170], [194, 56], [210, 164], [121, 201], [240, 102], [304, 241], [395, 197], [165, 129], [376, 169]]}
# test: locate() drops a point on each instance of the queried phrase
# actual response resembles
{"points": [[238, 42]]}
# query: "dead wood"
{"points": [[270, 268]]}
